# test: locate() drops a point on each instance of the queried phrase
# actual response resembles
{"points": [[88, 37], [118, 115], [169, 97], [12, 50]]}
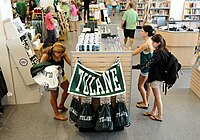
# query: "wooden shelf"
{"points": [[195, 82], [191, 10]]}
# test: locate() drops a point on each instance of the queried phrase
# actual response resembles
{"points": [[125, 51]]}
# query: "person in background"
{"points": [[86, 9], [49, 22], [21, 8], [114, 4], [130, 19], [57, 55], [32, 4], [55, 3], [156, 75], [74, 16], [146, 52]]}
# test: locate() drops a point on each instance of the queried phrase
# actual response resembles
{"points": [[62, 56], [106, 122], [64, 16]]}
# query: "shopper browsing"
{"points": [[146, 52], [156, 75], [49, 22], [129, 20], [86, 9], [57, 55], [74, 16], [114, 5], [21, 8]]}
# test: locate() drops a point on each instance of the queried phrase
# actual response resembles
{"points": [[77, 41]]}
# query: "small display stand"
{"points": [[100, 61], [22, 57]]}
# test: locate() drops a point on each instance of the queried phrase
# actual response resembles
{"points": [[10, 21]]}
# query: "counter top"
{"points": [[184, 31]]}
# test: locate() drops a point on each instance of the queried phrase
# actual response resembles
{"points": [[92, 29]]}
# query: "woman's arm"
{"points": [[140, 49], [150, 62], [66, 57], [44, 57], [52, 20]]}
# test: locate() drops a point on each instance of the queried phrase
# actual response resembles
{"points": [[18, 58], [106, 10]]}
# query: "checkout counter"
{"points": [[180, 42]]}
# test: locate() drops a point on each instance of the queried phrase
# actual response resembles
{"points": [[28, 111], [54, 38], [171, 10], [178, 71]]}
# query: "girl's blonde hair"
{"points": [[48, 9], [58, 47]]}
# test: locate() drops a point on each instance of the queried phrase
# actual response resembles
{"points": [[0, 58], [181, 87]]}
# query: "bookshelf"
{"points": [[122, 5], [158, 8], [141, 8], [191, 10]]}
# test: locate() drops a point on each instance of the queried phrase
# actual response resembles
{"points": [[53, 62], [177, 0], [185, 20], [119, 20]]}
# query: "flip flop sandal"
{"points": [[62, 118], [147, 114], [141, 106], [155, 118], [139, 102]]}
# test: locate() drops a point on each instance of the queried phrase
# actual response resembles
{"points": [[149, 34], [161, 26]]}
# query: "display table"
{"points": [[181, 44]]}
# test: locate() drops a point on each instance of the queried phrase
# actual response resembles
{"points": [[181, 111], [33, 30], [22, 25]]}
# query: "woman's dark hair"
{"points": [[149, 29], [159, 39]]}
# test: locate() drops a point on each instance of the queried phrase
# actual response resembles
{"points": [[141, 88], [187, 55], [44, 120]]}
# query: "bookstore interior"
{"points": [[22, 39]]}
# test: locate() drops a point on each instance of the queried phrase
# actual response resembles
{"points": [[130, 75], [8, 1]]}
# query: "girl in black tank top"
{"points": [[56, 55]]}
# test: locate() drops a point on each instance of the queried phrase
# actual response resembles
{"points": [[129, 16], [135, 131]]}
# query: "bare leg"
{"points": [[70, 24], [141, 82], [64, 86], [158, 102], [130, 43], [125, 40], [53, 101], [148, 92], [76, 25]]}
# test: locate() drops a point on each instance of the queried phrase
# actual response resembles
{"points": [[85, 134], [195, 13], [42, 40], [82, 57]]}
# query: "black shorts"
{"points": [[129, 33]]}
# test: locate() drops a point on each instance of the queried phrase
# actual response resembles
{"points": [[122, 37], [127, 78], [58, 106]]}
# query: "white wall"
{"points": [[5, 12], [5, 8], [176, 11]]}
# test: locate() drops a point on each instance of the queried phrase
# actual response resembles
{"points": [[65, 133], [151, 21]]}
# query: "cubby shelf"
{"points": [[191, 10]]}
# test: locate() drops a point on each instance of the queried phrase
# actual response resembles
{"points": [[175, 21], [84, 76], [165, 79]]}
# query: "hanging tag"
{"points": [[121, 98], [105, 100]]}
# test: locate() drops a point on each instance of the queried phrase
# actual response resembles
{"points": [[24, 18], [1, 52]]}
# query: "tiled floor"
{"points": [[181, 114]]}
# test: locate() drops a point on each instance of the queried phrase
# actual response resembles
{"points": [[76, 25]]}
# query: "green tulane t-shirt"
{"points": [[131, 18]]}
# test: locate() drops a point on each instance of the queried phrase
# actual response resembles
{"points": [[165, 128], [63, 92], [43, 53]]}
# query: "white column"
{"points": [[6, 12], [176, 10]]}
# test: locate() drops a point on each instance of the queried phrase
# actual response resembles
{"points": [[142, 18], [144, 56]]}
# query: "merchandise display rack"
{"points": [[195, 78], [156, 9], [100, 61], [62, 21], [191, 10], [140, 7]]}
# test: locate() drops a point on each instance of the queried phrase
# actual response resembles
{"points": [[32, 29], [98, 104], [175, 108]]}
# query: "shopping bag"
{"points": [[79, 17], [74, 110], [86, 117], [104, 121], [122, 117], [124, 25]]}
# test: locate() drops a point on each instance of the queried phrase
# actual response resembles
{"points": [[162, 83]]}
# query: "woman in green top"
{"points": [[21, 8], [146, 52]]}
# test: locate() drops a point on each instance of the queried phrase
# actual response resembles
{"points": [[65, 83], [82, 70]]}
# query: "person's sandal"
{"points": [[155, 118], [60, 117], [142, 106], [147, 114]]}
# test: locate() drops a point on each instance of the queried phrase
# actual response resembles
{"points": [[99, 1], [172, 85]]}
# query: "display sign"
{"points": [[87, 82], [19, 26]]}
